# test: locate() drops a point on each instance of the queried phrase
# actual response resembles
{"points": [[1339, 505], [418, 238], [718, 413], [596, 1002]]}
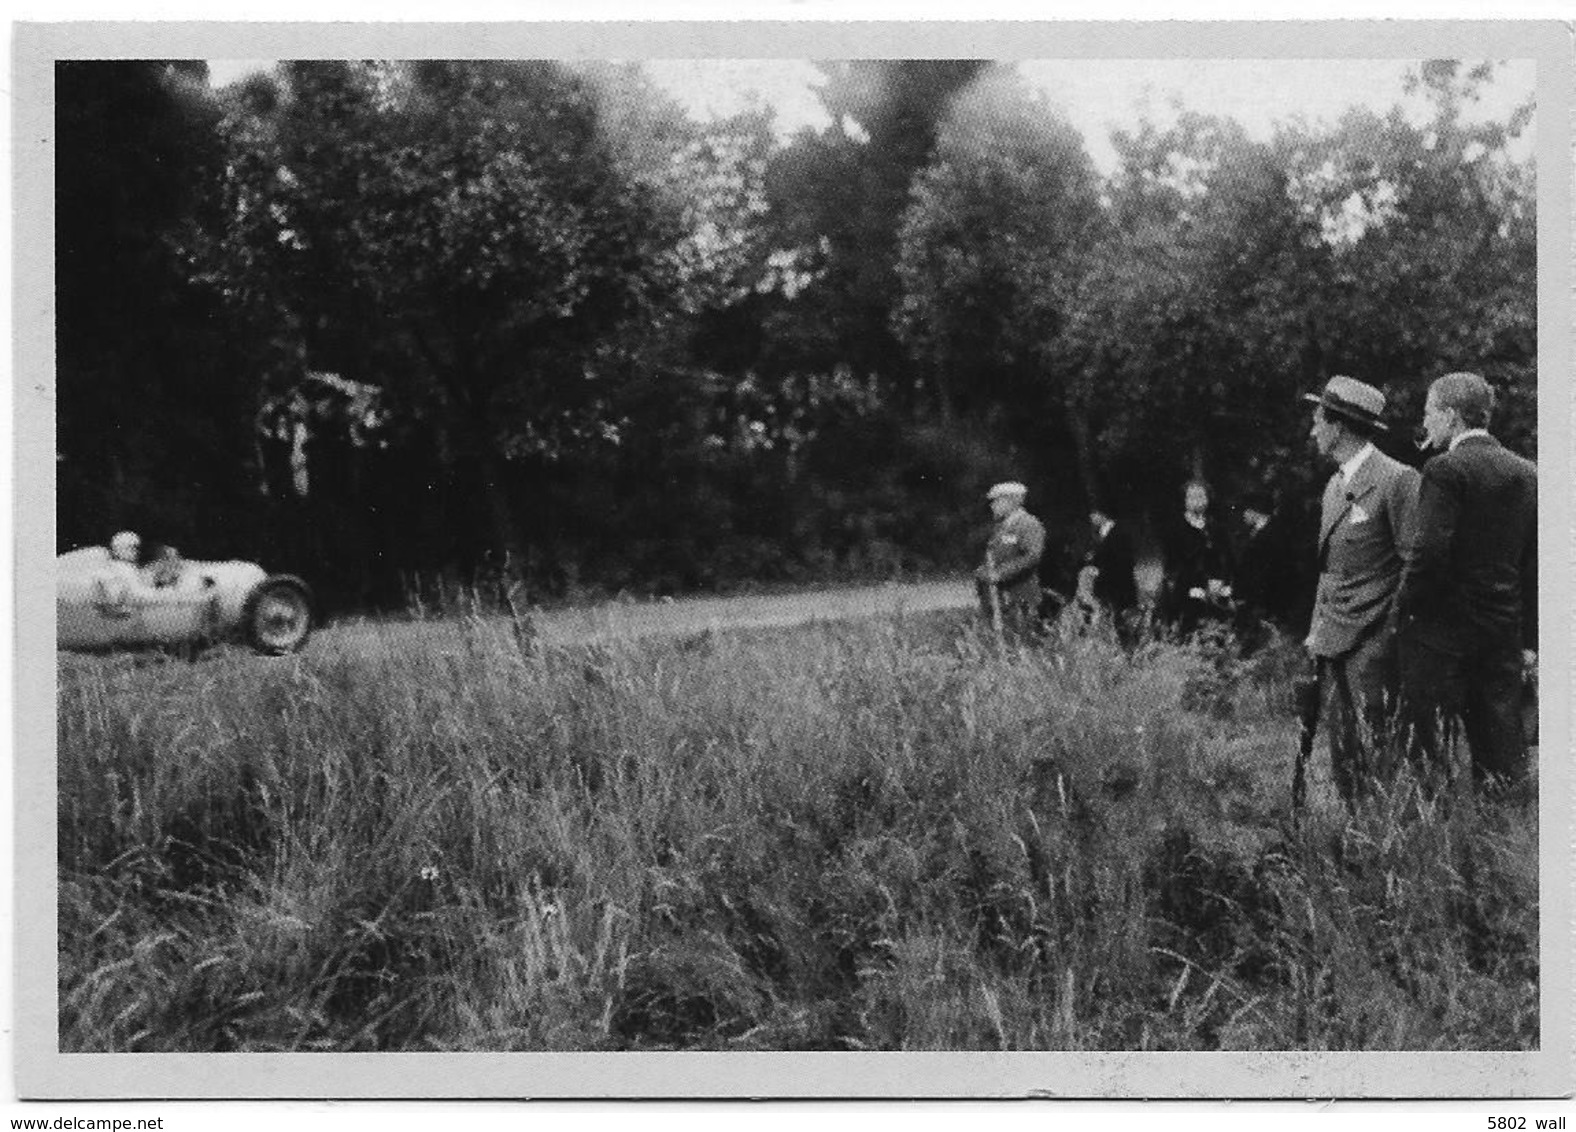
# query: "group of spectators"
{"points": [[1213, 581], [1242, 580], [1422, 623]]}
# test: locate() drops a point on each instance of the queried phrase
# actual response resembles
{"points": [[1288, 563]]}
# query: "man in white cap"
{"points": [[1012, 558], [1365, 533]]}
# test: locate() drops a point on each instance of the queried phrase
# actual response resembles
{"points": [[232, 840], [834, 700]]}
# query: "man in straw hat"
{"points": [[1008, 582], [1365, 530], [1468, 601]]}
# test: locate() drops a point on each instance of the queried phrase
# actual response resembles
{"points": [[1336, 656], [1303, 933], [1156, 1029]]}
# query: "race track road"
{"points": [[613, 621]]}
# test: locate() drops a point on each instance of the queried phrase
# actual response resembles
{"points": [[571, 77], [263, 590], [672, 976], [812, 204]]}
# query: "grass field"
{"points": [[882, 835]]}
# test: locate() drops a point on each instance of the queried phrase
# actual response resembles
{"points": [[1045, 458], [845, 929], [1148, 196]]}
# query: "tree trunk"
{"points": [[465, 395], [1083, 447], [942, 388], [505, 531], [1197, 464]]}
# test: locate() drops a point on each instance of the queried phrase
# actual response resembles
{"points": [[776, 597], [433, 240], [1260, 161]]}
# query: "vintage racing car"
{"points": [[103, 603]]}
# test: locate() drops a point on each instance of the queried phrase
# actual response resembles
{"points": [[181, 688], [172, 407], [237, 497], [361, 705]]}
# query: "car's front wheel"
{"points": [[277, 618]]}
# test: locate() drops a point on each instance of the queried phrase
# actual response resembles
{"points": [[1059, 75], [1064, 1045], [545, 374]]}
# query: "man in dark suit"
{"points": [[1259, 573], [1469, 610], [1197, 591], [1274, 572], [1365, 530], [1106, 582]]}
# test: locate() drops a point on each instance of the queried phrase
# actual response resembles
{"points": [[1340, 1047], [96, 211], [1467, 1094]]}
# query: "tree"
{"points": [[818, 396], [464, 235], [1191, 323], [993, 239], [1432, 234], [838, 197], [152, 401], [1236, 275]]}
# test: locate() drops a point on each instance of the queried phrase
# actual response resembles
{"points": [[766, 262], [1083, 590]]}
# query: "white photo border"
{"points": [[41, 1071]]}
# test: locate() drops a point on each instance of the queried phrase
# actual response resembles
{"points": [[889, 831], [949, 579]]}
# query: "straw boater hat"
{"points": [[1355, 400], [1011, 487]]}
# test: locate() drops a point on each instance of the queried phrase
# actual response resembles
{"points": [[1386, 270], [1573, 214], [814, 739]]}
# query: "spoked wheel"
{"points": [[278, 615]]}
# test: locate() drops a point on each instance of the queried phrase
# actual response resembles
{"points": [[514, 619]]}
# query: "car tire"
{"points": [[277, 617]]}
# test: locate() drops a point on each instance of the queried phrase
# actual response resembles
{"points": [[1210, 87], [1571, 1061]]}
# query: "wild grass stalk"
{"points": [[878, 835]]}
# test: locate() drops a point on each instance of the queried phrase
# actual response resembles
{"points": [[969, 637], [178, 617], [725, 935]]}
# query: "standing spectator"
{"points": [[1273, 578], [1364, 532], [1469, 595], [1106, 581], [1060, 564], [1197, 591], [1258, 571], [1012, 558]]}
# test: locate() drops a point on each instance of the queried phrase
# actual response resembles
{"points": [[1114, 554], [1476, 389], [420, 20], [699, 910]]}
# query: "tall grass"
{"points": [[883, 835]]}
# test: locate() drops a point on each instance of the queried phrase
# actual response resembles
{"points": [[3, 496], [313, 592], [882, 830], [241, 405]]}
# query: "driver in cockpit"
{"points": [[121, 579], [162, 566]]}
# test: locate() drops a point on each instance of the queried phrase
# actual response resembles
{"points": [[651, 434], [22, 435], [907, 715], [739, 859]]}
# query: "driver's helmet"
{"points": [[125, 546]]}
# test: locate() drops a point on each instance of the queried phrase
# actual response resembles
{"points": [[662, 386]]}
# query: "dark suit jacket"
{"points": [[1364, 537], [1115, 587], [1473, 574], [1193, 557], [1276, 570]]}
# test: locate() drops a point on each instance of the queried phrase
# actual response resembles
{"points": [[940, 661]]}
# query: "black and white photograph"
{"points": [[1018, 542]]}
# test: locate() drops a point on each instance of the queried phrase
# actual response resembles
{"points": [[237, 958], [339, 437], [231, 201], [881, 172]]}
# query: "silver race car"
{"points": [[104, 602]]}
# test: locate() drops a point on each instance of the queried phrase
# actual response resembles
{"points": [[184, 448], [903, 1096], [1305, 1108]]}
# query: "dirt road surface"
{"points": [[615, 621]]}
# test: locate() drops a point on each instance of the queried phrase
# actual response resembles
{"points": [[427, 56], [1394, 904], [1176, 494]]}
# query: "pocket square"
{"points": [[1358, 515]]}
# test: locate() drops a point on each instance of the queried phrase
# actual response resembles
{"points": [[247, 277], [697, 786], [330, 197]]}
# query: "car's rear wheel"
{"points": [[277, 618]]}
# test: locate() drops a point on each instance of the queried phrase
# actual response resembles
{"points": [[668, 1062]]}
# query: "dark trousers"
{"points": [[1360, 701], [1190, 617], [1125, 623], [1019, 605], [1477, 690]]}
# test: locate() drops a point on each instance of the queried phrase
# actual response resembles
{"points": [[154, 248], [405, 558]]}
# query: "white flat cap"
{"points": [[1011, 487]]}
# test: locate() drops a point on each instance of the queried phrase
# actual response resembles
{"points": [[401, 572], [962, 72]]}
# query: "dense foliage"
{"points": [[527, 322]]}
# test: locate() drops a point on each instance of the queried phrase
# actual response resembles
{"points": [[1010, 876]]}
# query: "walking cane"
{"points": [[1309, 693], [993, 596]]}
